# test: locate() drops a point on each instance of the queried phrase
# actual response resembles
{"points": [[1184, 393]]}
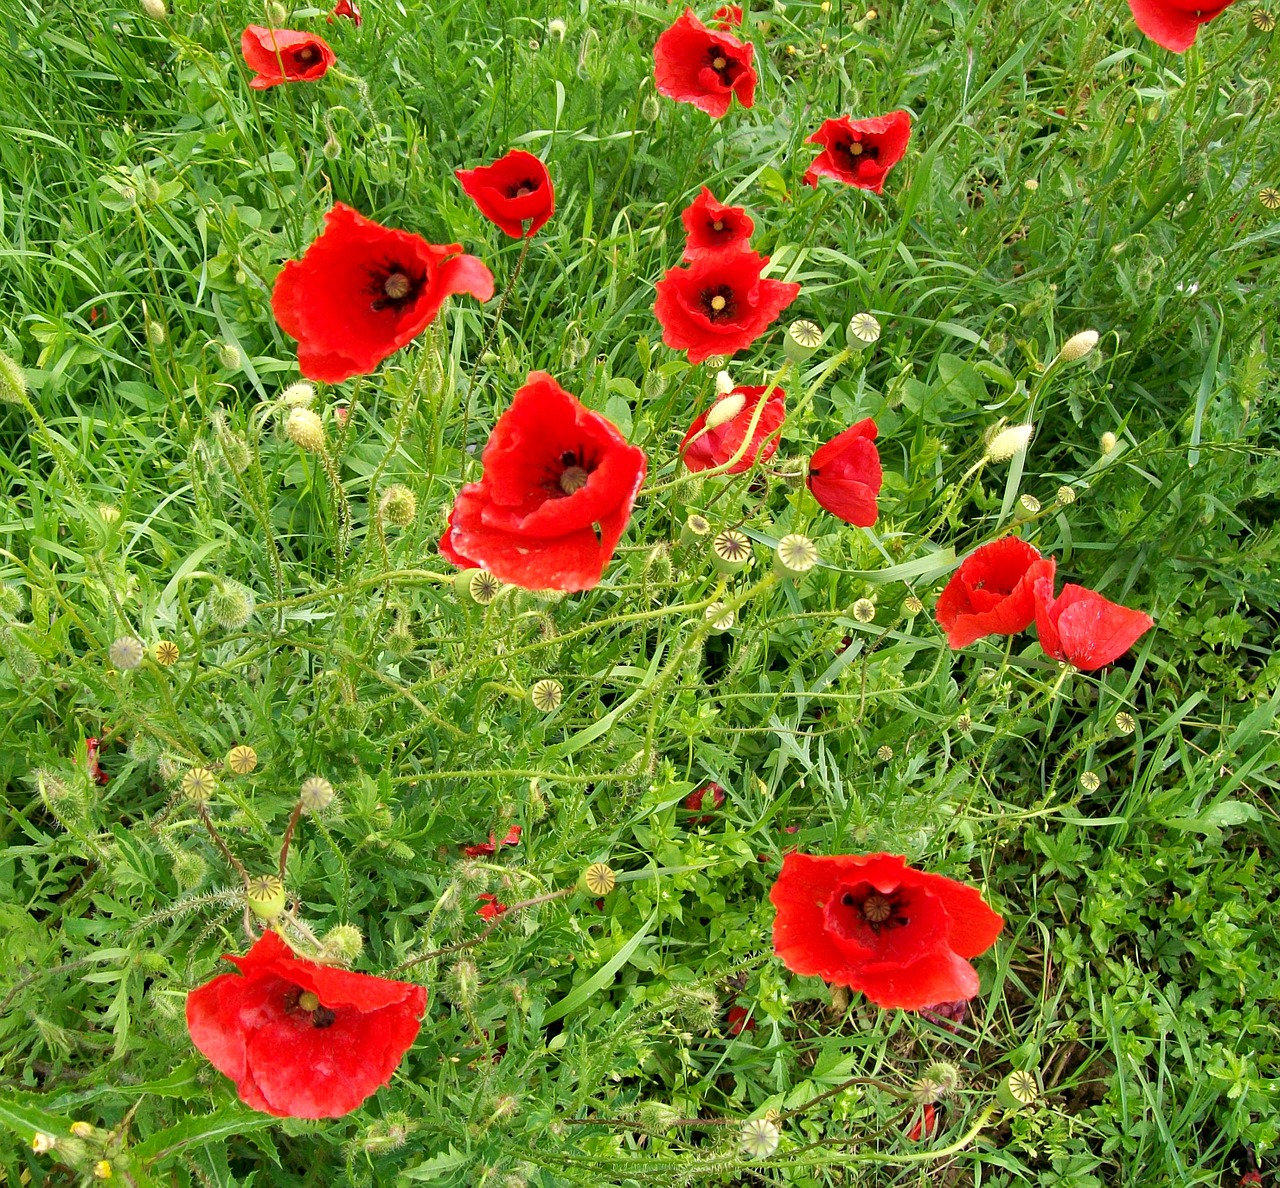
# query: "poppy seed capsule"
{"points": [[305, 429], [1078, 346], [863, 330], [731, 551], [316, 794], [399, 506], [546, 695], [803, 338], [126, 652], [795, 555], [266, 897], [598, 879], [198, 785], [719, 617], [242, 759], [1018, 1090], [760, 1138], [695, 528]]}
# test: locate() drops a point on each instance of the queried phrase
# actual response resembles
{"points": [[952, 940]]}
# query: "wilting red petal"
{"points": [[874, 924], [284, 55], [740, 1020], [1083, 628], [345, 8], [693, 64], [91, 755], [925, 1124], [493, 907], [361, 291], [992, 593], [703, 448], [1174, 23], [557, 490], [711, 226], [845, 475], [298, 1063], [514, 191], [860, 152]]}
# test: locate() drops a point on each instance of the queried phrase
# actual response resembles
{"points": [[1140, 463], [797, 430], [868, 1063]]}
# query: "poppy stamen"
{"points": [[718, 225], [323, 1017], [308, 1001]]}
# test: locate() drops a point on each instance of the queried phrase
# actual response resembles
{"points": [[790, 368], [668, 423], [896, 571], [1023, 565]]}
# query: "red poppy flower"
{"points": [[558, 485], [714, 227], [691, 64], [493, 906], [1174, 23], [845, 474], [719, 304], [492, 845], [1083, 628], [859, 152], [284, 55], [303, 1040], [709, 794], [345, 8], [875, 924], [95, 770], [924, 1125], [727, 16], [362, 291], [992, 593], [717, 434], [740, 1020], [514, 190]]}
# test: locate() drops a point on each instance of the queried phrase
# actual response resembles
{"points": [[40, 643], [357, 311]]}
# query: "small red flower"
{"points": [[362, 291], [924, 1125], [493, 845], [691, 64], [303, 1040], [284, 55], [740, 1020], [875, 924], [514, 191], [845, 474], [91, 755], [1174, 23], [729, 418], [859, 152], [557, 490], [699, 797], [1083, 628], [714, 227], [719, 304], [345, 8], [493, 906], [727, 16], [992, 593]]}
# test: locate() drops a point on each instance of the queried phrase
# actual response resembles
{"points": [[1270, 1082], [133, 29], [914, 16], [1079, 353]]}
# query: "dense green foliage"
{"points": [[1064, 173]]}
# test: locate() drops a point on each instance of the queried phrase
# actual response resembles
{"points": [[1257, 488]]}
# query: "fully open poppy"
{"points": [[717, 434], [992, 593], [713, 227], [557, 490], [284, 55], [845, 475], [719, 304], [859, 152], [362, 291], [1174, 23], [299, 1039], [693, 64], [875, 924], [1083, 628], [515, 192]]}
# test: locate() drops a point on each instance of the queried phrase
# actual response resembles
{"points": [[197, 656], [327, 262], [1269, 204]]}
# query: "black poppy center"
{"points": [[522, 189], [570, 472], [718, 303], [874, 909], [850, 152], [726, 68], [393, 286]]}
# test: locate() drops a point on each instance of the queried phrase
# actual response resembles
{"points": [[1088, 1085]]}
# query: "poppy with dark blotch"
{"points": [[284, 55], [345, 8], [740, 1020], [711, 226], [515, 192], [493, 845], [875, 924], [557, 489], [1174, 23], [1083, 628], [859, 152], [493, 906], [96, 774], [845, 475], [719, 304], [727, 16], [693, 64], [362, 291], [924, 1125], [300, 1039], [992, 593], [717, 435]]}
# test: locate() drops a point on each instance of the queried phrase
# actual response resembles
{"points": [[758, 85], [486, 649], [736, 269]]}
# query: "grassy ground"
{"points": [[1064, 173]]}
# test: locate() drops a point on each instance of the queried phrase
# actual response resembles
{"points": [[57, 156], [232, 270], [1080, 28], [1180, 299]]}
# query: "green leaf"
{"points": [[602, 977], [211, 1128]]}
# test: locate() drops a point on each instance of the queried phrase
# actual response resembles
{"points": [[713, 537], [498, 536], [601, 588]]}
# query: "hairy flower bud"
{"points": [[1078, 345], [299, 395], [13, 380], [229, 356], [305, 429], [230, 604], [399, 506], [341, 945], [1009, 442]]}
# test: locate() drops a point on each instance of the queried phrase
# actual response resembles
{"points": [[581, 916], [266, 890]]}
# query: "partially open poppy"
{"points": [[717, 435], [284, 55], [694, 65], [493, 906], [992, 593], [362, 291], [859, 152], [512, 838], [845, 475], [345, 8], [1083, 628], [875, 924], [557, 490], [300, 1039], [1174, 23], [713, 227], [719, 304], [727, 16], [515, 192]]}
